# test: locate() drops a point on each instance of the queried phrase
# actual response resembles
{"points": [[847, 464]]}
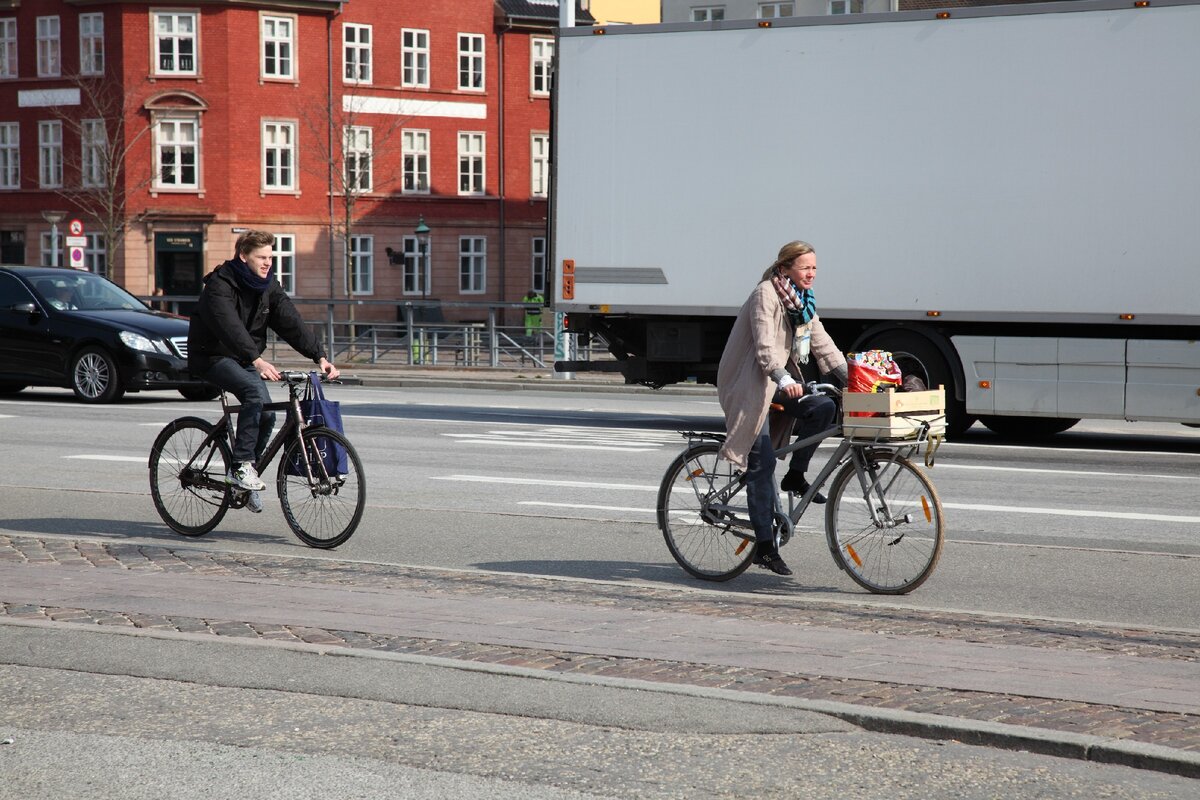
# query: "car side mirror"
{"points": [[27, 308]]}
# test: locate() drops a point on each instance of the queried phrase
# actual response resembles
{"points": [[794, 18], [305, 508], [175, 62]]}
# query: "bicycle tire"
{"points": [[325, 516], [888, 559], [191, 500], [705, 548]]}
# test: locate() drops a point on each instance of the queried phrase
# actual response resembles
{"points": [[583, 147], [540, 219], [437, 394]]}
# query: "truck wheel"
{"points": [[916, 355], [95, 377], [1026, 427]]}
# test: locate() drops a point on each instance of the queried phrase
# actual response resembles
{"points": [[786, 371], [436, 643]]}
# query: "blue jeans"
{"points": [[760, 487], [254, 425], [814, 414]]}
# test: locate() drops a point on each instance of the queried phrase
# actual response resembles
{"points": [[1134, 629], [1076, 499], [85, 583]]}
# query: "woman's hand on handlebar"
{"points": [[793, 390]]}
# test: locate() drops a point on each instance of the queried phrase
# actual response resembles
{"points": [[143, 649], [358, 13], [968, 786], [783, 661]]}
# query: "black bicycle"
{"points": [[320, 481]]}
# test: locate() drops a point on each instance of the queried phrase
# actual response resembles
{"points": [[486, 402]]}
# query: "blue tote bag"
{"points": [[319, 411]]}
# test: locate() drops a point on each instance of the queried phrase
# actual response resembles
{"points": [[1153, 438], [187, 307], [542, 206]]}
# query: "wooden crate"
{"points": [[899, 415]]}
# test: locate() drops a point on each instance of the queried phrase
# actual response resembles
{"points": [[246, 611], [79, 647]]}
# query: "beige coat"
{"points": [[759, 344]]}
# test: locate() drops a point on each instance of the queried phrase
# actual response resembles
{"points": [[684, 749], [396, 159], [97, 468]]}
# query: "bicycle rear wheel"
{"points": [[699, 521], [325, 511], [895, 551], [187, 481]]}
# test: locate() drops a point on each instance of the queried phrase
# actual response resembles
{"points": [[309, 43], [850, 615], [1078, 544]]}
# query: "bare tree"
{"points": [[107, 127]]}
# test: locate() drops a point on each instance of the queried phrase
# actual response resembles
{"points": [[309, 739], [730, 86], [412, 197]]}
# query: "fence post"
{"points": [[329, 333], [408, 326], [494, 343]]}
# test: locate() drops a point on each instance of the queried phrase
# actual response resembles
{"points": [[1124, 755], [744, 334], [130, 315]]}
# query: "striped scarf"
{"points": [[800, 304]]}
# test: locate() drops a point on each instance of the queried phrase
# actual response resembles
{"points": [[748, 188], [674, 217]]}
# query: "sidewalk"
{"points": [[1129, 697]]}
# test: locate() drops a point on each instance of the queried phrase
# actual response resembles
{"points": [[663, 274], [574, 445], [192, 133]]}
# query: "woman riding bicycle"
{"points": [[776, 332], [226, 340]]}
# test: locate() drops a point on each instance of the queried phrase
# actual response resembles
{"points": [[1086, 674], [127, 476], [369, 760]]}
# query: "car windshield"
{"points": [[84, 292]]}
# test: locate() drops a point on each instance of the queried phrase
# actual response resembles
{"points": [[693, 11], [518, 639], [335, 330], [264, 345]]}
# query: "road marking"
{"points": [[541, 482], [135, 459], [593, 508], [1088, 473], [1066, 512]]}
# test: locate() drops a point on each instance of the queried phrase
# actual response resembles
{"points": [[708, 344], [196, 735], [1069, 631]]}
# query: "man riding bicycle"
{"points": [[227, 337]]}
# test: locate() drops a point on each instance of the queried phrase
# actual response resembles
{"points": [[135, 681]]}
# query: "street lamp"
{"points": [[422, 232], [54, 217]]}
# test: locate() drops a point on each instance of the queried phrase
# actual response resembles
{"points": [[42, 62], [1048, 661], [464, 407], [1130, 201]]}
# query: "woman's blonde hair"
{"points": [[787, 254]]}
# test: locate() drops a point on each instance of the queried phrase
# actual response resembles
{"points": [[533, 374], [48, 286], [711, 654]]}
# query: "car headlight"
{"points": [[136, 341]]}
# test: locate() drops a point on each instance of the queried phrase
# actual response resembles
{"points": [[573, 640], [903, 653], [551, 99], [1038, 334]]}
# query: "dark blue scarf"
{"points": [[248, 279]]}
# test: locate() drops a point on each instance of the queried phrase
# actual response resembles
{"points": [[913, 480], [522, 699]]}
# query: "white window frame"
{"points": [[179, 147], [95, 254], [357, 142], [361, 263], [49, 47], [50, 154], [541, 57], [279, 156], [539, 261], [8, 47], [414, 58], [10, 155], [175, 36], [414, 155], [91, 44], [471, 61], [840, 7], [472, 164], [93, 145], [776, 10], [278, 54], [708, 14], [356, 53], [283, 259], [539, 165], [418, 279], [46, 248], [472, 264]]}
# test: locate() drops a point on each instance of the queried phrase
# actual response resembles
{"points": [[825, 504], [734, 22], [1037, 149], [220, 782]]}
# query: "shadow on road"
{"points": [[121, 529]]}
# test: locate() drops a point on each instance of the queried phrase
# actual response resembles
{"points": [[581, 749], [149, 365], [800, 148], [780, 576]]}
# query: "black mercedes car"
{"points": [[63, 327]]}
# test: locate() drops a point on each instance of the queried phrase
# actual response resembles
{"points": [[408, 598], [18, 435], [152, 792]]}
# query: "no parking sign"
{"points": [[75, 246]]}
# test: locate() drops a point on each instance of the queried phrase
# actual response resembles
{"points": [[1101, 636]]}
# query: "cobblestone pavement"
{"points": [[1174, 730]]}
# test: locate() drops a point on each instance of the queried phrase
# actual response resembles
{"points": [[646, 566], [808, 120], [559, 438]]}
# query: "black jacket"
{"points": [[232, 322]]}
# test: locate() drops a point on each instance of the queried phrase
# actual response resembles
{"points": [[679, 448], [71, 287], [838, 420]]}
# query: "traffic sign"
{"points": [[75, 227], [75, 255]]}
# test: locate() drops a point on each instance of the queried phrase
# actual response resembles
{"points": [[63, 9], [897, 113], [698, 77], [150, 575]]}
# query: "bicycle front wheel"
{"points": [[703, 515], [187, 476], [884, 524], [322, 510]]}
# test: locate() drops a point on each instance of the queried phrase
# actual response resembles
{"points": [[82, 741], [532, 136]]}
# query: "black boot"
{"points": [[766, 556], [795, 483]]}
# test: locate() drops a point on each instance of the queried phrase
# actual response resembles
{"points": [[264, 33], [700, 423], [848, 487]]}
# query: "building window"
{"points": [[708, 14], [91, 44], [470, 163], [362, 272], [539, 264], [279, 156], [10, 155], [415, 147], [414, 50], [357, 158], [356, 46], [8, 47], [176, 149], [283, 259], [541, 56], [845, 7], [416, 267], [95, 254], [49, 56], [472, 264], [175, 34], [470, 62], [50, 155], [51, 251], [12, 249], [774, 10], [277, 47], [93, 141], [539, 164]]}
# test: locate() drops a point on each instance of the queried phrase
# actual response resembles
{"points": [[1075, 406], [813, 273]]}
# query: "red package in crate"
{"points": [[871, 371]]}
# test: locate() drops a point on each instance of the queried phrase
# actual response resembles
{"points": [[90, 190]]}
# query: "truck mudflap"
{"points": [[589, 366]]}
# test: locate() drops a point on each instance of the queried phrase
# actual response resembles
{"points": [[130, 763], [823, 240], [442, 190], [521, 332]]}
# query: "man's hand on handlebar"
{"points": [[328, 369], [266, 370]]}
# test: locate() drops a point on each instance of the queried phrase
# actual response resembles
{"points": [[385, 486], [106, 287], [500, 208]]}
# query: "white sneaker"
{"points": [[245, 477], [254, 502]]}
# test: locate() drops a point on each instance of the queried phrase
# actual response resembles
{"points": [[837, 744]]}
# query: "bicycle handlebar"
{"points": [[291, 376]]}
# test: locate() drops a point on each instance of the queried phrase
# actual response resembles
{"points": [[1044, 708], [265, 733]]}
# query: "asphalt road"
{"points": [[1096, 525]]}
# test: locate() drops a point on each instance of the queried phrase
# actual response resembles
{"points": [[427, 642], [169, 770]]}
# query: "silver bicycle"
{"points": [[883, 517]]}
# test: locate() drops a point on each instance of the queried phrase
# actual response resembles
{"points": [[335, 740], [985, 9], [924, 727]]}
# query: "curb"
{"points": [[1061, 744]]}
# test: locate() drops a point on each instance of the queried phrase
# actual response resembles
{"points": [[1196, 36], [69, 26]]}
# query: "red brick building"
{"points": [[167, 128]]}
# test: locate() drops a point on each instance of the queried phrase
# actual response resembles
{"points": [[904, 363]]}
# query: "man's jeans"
{"points": [[254, 425]]}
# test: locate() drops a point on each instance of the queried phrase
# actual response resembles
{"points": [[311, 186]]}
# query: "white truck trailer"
{"points": [[1007, 198]]}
